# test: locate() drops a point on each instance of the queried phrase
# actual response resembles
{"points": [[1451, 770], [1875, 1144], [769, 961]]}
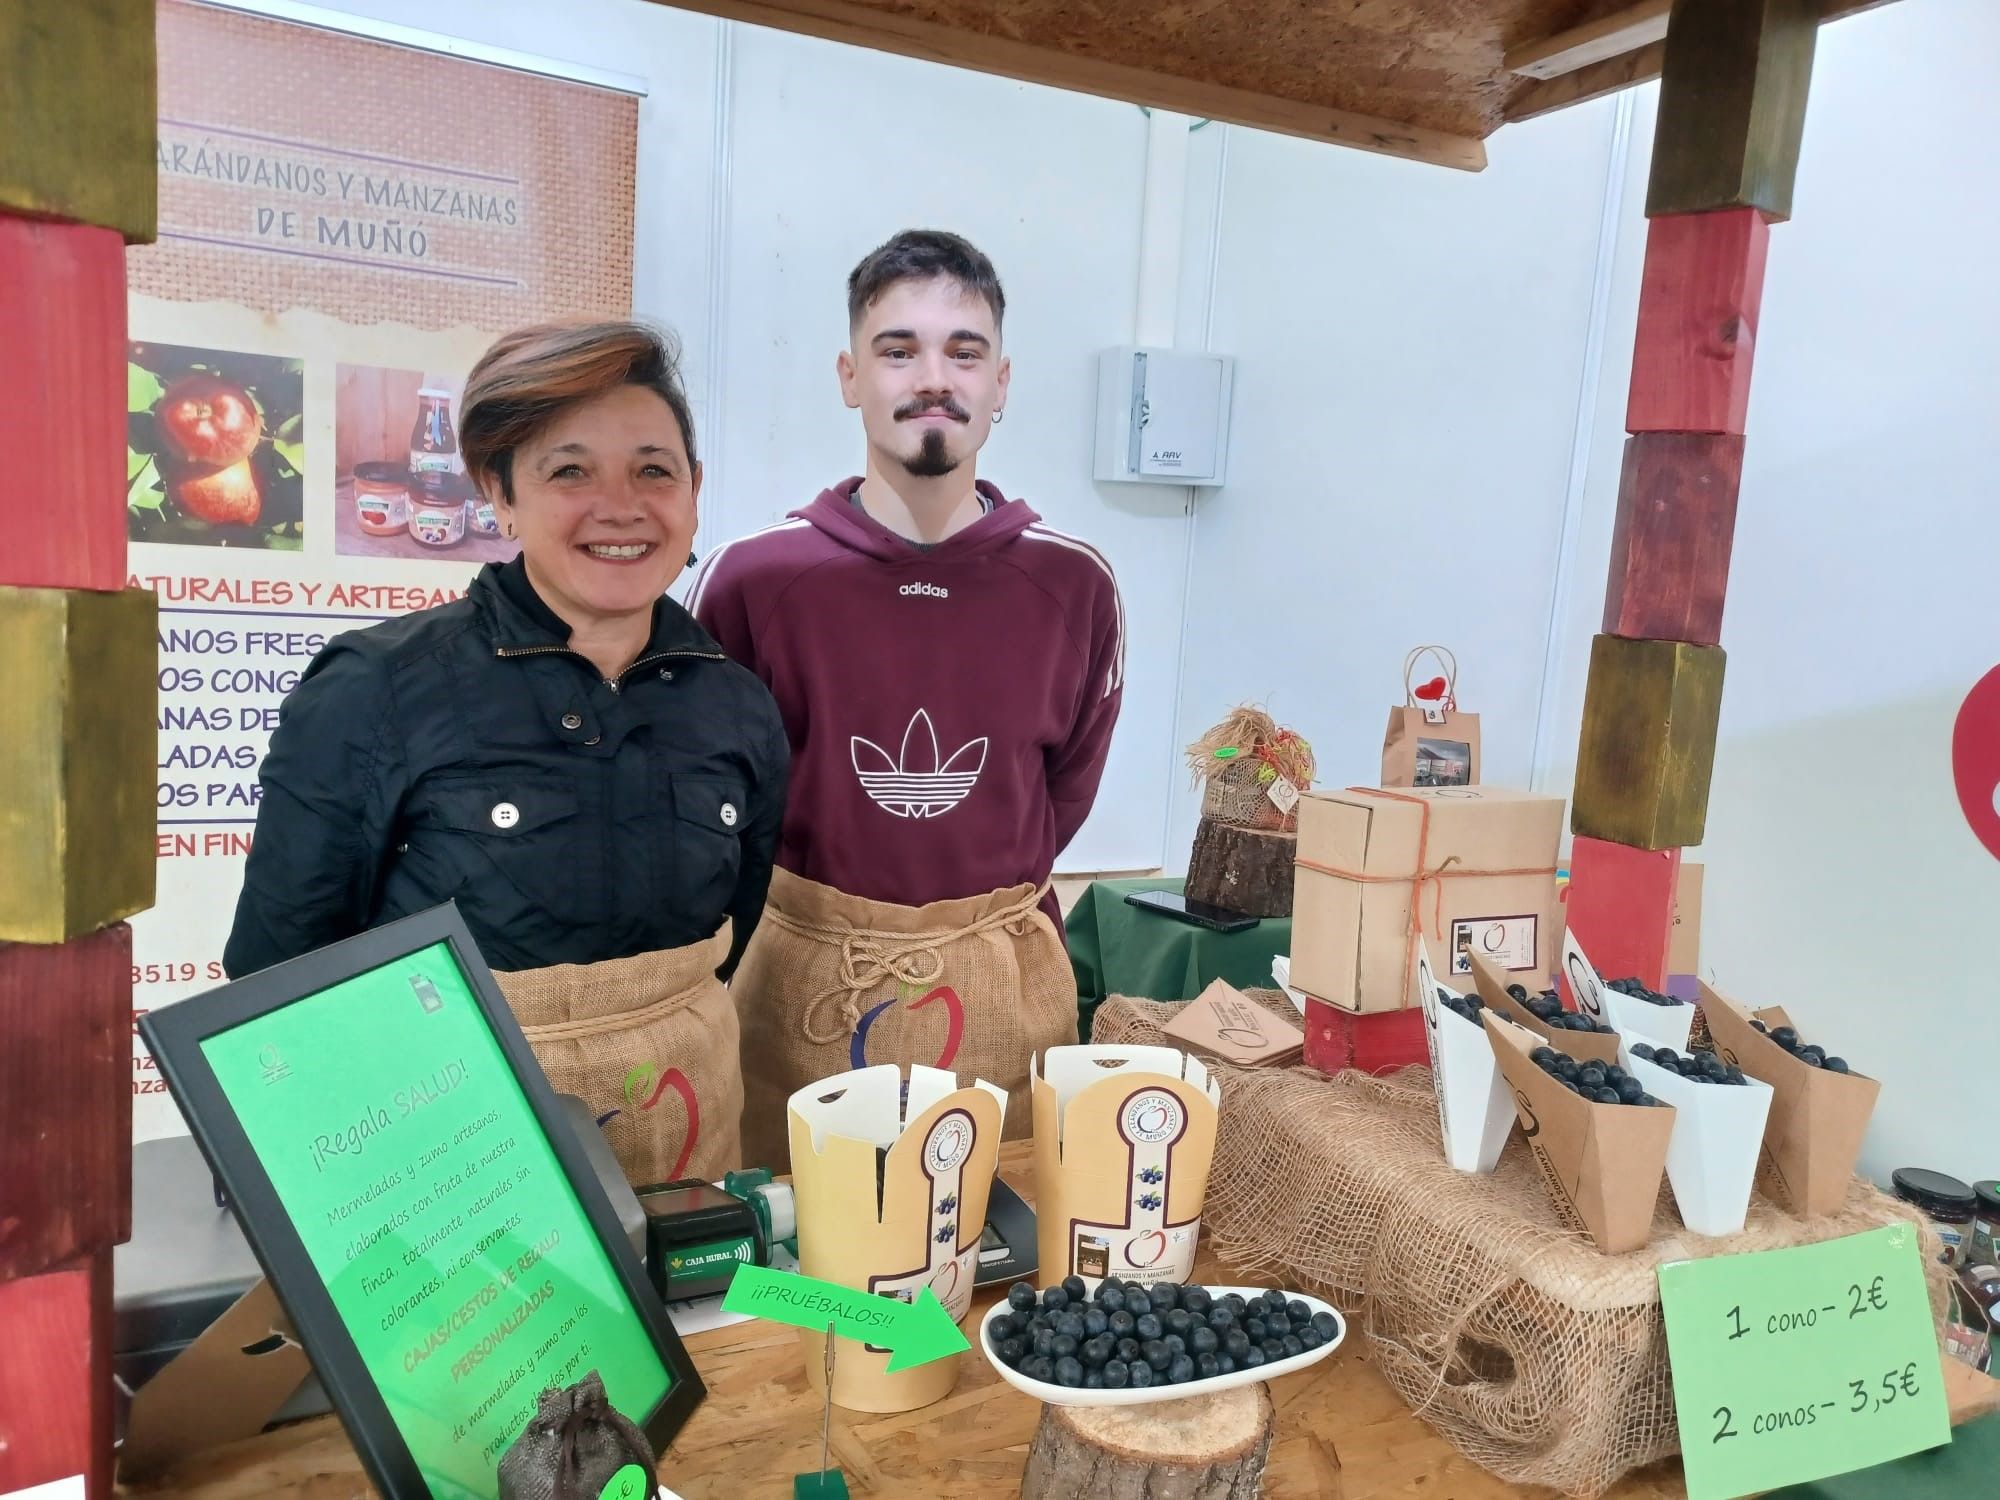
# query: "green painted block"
{"points": [[832, 1485], [1650, 713], [78, 113]]}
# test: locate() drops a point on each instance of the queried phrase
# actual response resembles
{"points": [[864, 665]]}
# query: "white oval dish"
{"points": [[1062, 1395]]}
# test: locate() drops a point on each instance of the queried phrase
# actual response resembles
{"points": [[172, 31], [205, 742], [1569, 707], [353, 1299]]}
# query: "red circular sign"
{"points": [[1975, 760]]}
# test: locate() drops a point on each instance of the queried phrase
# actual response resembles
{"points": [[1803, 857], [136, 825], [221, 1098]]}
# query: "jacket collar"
{"points": [[516, 617]]}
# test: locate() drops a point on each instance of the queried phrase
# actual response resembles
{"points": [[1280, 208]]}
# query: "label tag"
{"points": [[1792, 1365], [1505, 942], [1283, 794], [629, 1483]]}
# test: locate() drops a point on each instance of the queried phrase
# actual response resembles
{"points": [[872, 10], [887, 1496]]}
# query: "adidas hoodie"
{"points": [[949, 709]]}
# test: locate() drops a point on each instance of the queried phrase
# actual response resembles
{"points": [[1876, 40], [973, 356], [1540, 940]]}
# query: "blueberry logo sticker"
{"points": [[948, 1145], [1152, 1117], [954, 1027]]}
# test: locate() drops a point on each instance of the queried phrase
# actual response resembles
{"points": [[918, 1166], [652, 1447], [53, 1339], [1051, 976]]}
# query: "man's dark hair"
{"points": [[922, 255]]}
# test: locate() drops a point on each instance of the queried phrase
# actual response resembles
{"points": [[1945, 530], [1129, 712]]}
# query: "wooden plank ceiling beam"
{"points": [[864, 26]]}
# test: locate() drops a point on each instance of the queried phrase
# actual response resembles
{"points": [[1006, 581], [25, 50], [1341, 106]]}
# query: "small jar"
{"points": [[382, 499], [1985, 1225], [485, 520], [1944, 1200], [438, 505]]}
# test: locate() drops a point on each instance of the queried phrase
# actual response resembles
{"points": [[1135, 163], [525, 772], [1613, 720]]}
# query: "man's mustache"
{"points": [[948, 406]]}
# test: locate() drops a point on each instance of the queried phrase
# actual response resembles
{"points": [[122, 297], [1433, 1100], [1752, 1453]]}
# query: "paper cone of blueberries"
{"points": [[1819, 1106], [1719, 1119], [892, 1196], [1475, 1106], [1601, 1162], [1123, 1141], [1582, 1037], [1626, 1005]]}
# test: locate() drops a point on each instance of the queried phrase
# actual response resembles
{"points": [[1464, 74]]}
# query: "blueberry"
{"points": [[1326, 1325], [1012, 1351], [1115, 1375], [1277, 1326], [1121, 1323], [1203, 1341], [1095, 1322], [1178, 1320], [1517, 992], [1100, 1350], [1181, 1370], [1835, 1065], [1786, 1037], [1275, 1300], [1274, 1349], [1298, 1312], [1156, 1354], [1643, 1049], [1175, 1342], [1111, 1299], [1292, 1346], [1605, 1096], [1207, 1367], [1002, 1327], [1073, 1288], [1236, 1304], [1069, 1373], [1630, 1091], [1235, 1343], [1148, 1327], [1093, 1380], [1712, 1065], [1062, 1346], [1224, 1364], [1566, 1068], [1044, 1343], [1163, 1295], [1735, 1074], [1221, 1317], [1308, 1340], [1055, 1299], [1038, 1367], [1761, 1026], [1543, 1057], [1128, 1349], [1666, 1057], [1812, 1057], [1197, 1301], [1591, 1076], [1021, 1297], [1139, 1376], [1256, 1328], [1252, 1357]]}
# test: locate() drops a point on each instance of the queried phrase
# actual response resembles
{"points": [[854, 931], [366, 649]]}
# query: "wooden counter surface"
{"points": [[1343, 1434]]}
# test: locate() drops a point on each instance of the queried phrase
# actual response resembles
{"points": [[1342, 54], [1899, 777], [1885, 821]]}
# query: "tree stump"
{"points": [[1242, 869], [1206, 1448]]}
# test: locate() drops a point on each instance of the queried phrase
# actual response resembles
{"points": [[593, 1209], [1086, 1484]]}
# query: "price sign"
{"points": [[1791, 1365]]}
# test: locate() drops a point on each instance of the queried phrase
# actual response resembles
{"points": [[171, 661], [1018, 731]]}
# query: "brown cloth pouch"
{"points": [[1430, 742], [649, 1043], [832, 982], [572, 1446]]}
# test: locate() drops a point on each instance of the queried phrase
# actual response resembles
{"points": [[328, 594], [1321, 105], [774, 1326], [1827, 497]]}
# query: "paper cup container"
{"points": [[1661, 1025], [1584, 1046], [1475, 1106], [1123, 1141], [1718, 1135], [1817, 1119], [1600, 1162], [917, 1225]]}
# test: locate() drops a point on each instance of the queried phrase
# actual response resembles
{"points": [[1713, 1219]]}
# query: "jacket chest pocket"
{"points": [[710, 817], [509, 847]]}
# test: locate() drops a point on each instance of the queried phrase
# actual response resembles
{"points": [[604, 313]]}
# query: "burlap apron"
{"points": [[649, 1043], [832, 982]]}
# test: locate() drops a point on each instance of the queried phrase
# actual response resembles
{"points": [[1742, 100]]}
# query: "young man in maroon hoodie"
{"points": [[949, 669]]}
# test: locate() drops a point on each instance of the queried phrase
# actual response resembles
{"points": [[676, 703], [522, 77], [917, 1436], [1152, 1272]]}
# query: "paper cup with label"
{"points": [[1123, 1141], [1718, 1135], [1662, 1025], [891, 1187], [1475, 1106], [1600, 1162]]}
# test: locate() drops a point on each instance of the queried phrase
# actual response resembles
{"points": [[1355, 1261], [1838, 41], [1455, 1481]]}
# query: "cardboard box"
{"points": [[1584, 1046], [1486, 885], [1123, 1141], [1601, 1163], [917, 1225], [1817, 1118], [1475, 1106]]}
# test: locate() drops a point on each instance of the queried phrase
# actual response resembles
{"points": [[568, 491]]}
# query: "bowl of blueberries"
{"points": [[1125, 1344]]}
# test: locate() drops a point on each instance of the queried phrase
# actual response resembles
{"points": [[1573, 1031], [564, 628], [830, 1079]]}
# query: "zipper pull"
{"points": [[612, 683]]}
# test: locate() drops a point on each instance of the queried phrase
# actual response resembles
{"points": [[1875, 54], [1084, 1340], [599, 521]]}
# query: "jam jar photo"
{"points": [[438, 505], [433, 444], [382, 499]]}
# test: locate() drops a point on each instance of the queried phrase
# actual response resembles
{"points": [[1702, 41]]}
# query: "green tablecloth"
{"points": [[1118, 949], [1968, 1466]]}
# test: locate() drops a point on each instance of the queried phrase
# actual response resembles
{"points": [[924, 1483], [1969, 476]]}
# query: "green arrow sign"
{"points": [[914, 1333]]}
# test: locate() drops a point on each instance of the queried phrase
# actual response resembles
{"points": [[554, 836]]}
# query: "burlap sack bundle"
{"points": [[649, 1043], [1538, 1357], [832, 982], [1240, 760]]}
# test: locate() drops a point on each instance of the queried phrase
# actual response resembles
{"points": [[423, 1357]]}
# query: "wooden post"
{"points": [[77, 668], [1732, 112]]}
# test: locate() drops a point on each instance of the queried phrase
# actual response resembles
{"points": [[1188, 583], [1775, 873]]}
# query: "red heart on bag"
{"points": [[1433, 690]]}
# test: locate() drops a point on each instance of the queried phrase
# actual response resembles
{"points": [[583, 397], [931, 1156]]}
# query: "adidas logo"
{"points": [[918, 782], [923, 591]]}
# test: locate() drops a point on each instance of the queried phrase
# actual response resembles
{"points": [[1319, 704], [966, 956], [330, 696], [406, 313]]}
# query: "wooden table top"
{"points": [[1343, 1433]]}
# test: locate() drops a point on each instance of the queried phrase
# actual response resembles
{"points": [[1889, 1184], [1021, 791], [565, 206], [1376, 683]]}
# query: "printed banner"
{"points": [[345, 225]]}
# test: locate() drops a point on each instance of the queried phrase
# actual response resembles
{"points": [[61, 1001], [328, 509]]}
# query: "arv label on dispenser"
{"points": [[1508, 943], [1123, 1141]]}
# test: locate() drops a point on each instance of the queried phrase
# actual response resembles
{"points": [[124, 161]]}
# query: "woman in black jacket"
{"points": [[564, 752]]}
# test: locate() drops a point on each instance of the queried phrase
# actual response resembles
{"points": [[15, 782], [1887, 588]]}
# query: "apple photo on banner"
{"points": [[215, 447]]}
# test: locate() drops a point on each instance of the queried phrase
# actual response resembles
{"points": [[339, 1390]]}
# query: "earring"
{"points": [[997, 415], [692, 559]]}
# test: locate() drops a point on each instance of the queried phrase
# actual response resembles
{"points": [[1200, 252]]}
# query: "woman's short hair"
{"points": [[531, 375]]}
